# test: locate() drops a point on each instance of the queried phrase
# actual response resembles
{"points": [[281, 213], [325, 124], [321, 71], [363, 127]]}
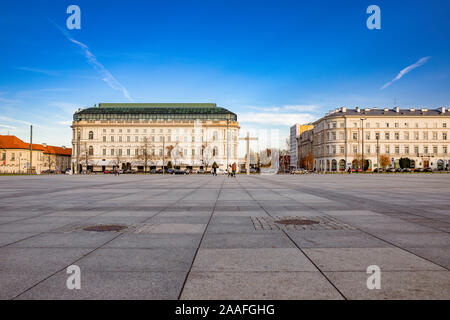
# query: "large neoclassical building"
{"points": [[343, 137], [146, 136]]}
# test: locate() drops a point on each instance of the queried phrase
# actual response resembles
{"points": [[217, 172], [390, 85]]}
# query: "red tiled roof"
{"points": [[58, 150], [12, 142]]}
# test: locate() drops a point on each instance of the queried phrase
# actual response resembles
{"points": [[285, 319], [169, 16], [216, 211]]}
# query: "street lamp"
{"points": [[378, 152], [362, 143]]}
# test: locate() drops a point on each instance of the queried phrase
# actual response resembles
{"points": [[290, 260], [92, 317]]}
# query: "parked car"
{"points": [[406, 170], [201, 171], [108, 171], [398, 170], [158, 170], [299, 171], [390, 170], [418, 170], [178, 171], [187, 171], [170, 171], [128, 171], [428, 169]]}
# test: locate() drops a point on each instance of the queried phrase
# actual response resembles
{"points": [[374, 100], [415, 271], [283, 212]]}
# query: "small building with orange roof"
{"points": [[15, 156]]}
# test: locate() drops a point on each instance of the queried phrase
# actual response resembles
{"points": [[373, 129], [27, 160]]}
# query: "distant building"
{"points": [[148, 136], [295, 131], [344, 137], [15, 156], [284, 162]]}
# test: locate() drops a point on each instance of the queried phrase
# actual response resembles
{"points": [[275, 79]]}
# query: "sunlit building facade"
{"points": [[150, 136], [344, 137]]}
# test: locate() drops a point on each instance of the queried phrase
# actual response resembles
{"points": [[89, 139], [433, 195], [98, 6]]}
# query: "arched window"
{"points": [[91, 150], [91, 135], [215, 151], [333, 165]]}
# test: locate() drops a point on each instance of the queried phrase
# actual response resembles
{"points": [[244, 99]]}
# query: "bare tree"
{"points": [[144, 152], [176, 153], [117, 159], [86, 155], [207, 154]]}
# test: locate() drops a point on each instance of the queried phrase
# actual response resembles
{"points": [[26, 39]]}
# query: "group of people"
{"points": [[231, 170]]}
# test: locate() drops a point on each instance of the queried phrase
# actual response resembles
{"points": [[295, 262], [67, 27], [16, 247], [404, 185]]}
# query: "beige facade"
{"points": [[344, 136], [151, 136], [295, 133], [15, 156]]}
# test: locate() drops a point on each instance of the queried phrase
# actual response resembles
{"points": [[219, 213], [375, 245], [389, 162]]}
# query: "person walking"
{"points": [[234, 169], [215, 171]]}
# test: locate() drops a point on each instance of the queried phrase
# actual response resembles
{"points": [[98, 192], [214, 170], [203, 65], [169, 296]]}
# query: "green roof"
{"points": [[157, 105], [155, 111]]}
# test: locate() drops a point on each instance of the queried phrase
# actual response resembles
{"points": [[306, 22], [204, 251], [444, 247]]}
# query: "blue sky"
{"points": [[274, 63]]}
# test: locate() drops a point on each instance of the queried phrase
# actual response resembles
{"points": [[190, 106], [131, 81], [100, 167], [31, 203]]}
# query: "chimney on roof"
{"points": [[366, 109], [386, 109], [344, 109], [45, 145], [412, 109], [397, 109], [358, 109], [442, 109], [64, 147], [424, 110], [374, 108]]}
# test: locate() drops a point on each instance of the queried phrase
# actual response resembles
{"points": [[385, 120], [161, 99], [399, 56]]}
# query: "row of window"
{"points": [[151, 152], [396, 135], [387, 149], [215, 136], [333, 125]]}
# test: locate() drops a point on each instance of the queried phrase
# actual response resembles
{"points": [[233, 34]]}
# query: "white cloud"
{"points": [[406, 70], [67, 107], [35, 70], [298, 107], [104, 73], [64, 123], [7, 119], [7, 127], [283, 119], [301, 107], [267, 109]]}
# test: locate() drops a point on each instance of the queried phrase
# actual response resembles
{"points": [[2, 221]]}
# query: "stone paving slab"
{"points": [[336, 239], [8, 237], [417, 239], [246, 240], [144, 260], [355, 259], [156, 240], [394, 285], [111, 285], [66, 240], [258, 286], [260, 259], [404, 231]]}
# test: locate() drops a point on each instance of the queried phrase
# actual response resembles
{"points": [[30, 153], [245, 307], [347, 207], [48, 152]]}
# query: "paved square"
{"points": [[205, 237]]}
